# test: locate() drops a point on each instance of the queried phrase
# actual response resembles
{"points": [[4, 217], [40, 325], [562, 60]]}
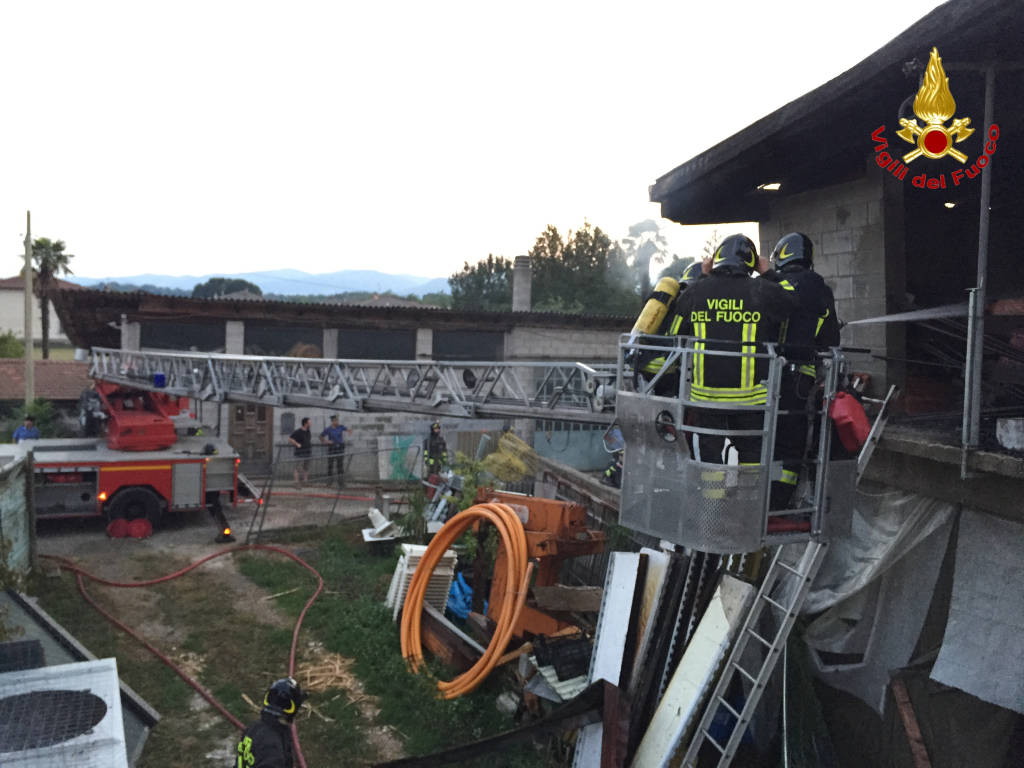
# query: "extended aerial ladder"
{"points": [[562, 391]]}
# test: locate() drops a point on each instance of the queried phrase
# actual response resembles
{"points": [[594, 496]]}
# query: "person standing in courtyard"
{"points": [[303, 442], [334, 437], [27, 431], [435, 451]]}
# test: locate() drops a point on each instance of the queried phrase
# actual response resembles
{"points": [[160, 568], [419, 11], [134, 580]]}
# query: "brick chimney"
{"points": [[522, 282]]}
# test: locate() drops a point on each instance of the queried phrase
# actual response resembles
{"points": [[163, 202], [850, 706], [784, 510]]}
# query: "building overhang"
{"points": [[824, 137]]}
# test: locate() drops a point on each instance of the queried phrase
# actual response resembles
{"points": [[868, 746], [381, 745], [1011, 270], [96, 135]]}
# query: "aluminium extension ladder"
{"points": [[782, 594]]}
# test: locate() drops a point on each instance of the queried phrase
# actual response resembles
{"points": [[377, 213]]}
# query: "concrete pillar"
{"points": [[131, 334], [330, 345], [522, 284], [234, 337], [424, 343]]}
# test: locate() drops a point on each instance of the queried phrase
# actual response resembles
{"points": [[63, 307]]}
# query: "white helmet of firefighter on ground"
{"points": [[737, 253], [794, 248], [284, 697]]}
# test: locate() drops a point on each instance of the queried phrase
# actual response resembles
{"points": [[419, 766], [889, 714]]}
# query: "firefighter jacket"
{"points": [[732, 312], [435, 449], [267, 743], [813, 325]]}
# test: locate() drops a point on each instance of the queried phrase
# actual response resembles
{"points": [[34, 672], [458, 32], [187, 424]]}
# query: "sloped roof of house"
{"points": [[17, 283], [54, 379]]}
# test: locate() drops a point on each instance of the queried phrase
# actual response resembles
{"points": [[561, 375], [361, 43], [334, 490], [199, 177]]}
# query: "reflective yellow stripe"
{"points": [[655, 365], [712, 476], [821, 322], [748, 365], [789, 478], [808, 370], [698, 358], [755, 396], [676, 322], [786, 285], [136, 467], [713, 493]]}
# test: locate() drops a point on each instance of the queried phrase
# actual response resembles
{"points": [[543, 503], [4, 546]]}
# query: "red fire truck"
{"points": [[150, 462]]}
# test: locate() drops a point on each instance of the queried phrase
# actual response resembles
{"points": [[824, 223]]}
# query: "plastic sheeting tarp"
{"points": [[885, 527], [983, 648], [877, 586]]}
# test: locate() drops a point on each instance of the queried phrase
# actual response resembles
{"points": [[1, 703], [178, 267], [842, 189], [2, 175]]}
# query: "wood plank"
{"points": [[560, 597], [918, 751]]}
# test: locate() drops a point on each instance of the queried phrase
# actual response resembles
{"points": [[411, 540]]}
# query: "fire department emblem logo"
{"points": [[934, 105]]}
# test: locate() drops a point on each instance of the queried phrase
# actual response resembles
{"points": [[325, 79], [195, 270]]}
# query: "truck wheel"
{"points": [[133, 503]]}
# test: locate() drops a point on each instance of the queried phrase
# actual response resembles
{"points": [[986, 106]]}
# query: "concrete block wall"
{"points": [[365, 430], [856, 228], [572, 344]]}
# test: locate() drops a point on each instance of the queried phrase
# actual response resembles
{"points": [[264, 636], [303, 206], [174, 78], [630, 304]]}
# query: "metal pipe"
{"points": [[976, 322], [30, 382]]}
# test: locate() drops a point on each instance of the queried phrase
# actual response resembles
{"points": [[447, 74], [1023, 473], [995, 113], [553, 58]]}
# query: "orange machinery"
{"points": [[555, 531]]}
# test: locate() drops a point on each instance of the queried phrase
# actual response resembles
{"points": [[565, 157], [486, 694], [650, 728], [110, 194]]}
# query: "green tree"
{"points": [[10, 346], [219, 286], [585, 272], [645, 244], [486, 285], [50, 261], [437, 299]]}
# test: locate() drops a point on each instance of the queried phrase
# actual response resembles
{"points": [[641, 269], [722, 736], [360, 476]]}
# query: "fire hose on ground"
{"points": [[513, 538], [80, 573]]}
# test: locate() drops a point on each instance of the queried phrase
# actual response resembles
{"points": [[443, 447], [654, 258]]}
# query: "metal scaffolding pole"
{"points": [[30, 382], [971, 435]]}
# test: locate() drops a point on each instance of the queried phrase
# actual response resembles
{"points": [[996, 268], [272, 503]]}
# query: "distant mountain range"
{"points": [[292, 281]]}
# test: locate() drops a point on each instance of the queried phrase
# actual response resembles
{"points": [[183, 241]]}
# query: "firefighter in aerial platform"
{"points": [[812, 327], [267, 743], [728, 311]]}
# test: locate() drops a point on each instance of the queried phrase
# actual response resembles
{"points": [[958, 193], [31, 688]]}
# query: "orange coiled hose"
{"points": [[513, 538]]}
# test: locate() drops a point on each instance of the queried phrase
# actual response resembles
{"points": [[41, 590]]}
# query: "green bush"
{"points": [[10, 346]]}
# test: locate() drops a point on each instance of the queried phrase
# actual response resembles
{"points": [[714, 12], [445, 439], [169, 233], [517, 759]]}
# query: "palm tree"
{"points": [[50, 261]]}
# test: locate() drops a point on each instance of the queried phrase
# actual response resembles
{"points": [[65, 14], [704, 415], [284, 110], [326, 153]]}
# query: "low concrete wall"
{"points": [[16, 524]]}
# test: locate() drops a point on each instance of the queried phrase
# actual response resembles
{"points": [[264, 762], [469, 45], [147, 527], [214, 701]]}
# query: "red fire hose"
{"points": [[80, 572]]}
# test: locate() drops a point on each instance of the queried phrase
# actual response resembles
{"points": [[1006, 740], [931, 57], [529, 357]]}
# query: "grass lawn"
{"points": [[233, 651]]}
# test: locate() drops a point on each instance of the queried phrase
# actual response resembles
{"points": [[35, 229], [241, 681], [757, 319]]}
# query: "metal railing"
{"points": [[671, 491]]}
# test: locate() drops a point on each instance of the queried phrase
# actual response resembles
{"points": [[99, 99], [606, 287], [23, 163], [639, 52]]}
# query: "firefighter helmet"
{"points": [[737, 253], [436, 425], [284, 697], [692, 274], [794, 248]]}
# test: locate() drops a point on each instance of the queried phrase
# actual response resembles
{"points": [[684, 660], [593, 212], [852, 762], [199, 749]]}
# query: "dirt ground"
{"points": [[185, 540]]}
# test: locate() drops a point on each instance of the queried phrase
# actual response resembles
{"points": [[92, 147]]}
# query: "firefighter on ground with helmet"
{"points": [[812, 327], [267, 743], [435, 450], [730, 312]]}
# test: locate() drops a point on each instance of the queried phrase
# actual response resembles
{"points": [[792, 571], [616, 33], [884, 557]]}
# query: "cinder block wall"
{"points": [[857, 230], [569, 344]]}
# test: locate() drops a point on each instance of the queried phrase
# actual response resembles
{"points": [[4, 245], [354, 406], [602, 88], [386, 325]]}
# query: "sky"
{"points": [[406, 137]]}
